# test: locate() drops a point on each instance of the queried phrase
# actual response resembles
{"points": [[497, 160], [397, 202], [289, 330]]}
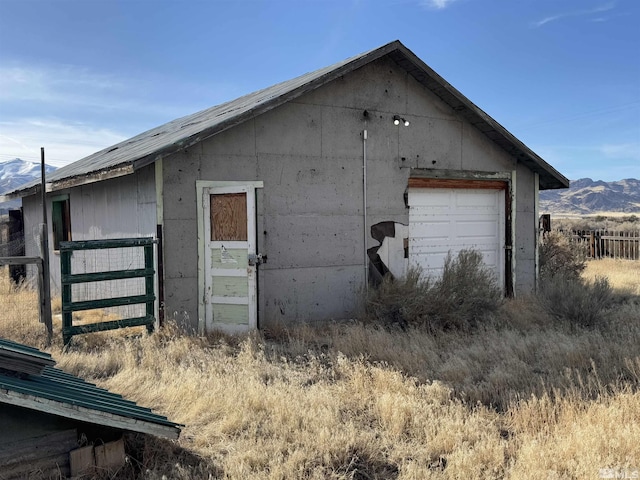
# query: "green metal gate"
{"points": [[68, 278]]}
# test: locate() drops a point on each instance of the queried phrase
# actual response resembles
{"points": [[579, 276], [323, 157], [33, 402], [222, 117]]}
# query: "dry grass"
{"points": [[627, 222], [622, 274], [18, 309], [522, 397]]}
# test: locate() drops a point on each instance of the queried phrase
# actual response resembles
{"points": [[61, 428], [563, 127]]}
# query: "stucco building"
{"points": [[278, 205]]}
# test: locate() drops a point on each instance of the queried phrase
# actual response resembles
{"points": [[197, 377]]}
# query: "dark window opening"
{"points": [[61, 220]]}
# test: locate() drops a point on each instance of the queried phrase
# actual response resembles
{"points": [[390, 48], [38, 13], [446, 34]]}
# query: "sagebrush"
{"points": [[559, 255], [578, 302], [464, 294]]}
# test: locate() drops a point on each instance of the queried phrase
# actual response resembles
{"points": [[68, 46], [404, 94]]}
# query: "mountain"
{"points": [[14, 173], [586, 197]]}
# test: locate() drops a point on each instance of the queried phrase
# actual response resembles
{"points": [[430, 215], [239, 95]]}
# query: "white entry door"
{"points": [[229, 249], [443, 220]]}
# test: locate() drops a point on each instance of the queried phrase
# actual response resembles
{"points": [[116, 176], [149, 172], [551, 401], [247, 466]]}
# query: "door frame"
{"points": [[506, 181], [201, 185]]}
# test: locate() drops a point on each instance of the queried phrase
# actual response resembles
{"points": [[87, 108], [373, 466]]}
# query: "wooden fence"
{"points": [[610, 243], [12, 254], [44, 297], [12, 242]]}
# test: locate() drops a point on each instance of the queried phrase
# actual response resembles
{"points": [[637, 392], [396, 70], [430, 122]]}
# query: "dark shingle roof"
{"points": [[126, 157], [58, 393]]}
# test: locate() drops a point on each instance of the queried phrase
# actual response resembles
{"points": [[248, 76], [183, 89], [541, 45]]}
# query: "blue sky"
{"points": [[77, 76]]}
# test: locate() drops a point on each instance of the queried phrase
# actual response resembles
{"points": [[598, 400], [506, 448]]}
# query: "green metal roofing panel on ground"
{"points": [[23, 359], [127, 156], [58, 393], [9, 347]]}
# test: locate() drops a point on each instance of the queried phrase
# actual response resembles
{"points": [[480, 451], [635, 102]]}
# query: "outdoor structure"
{"points": [[283, 204], [56, 424]]}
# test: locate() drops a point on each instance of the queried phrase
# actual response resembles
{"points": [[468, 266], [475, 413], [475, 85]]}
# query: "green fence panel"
{"points": [[68, 278]]}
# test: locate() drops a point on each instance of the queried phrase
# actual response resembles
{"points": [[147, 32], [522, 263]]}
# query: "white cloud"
{"points": [[63, 83], [626, 151], [40, 107], [74, 112], [577, 13], [547, 20], [437, 4], [65, 88], [63, 142]]}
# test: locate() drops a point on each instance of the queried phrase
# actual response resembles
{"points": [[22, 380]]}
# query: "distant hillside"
{"points": [[585, 197], [14, 173]]}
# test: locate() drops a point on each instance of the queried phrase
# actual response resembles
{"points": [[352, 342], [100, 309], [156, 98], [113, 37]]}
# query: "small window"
{"points": [[229, 217], [61, 219]]}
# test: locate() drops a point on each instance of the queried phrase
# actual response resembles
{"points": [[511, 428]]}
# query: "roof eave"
{"points": [[92, 177], [26, 192], [69, 182]]}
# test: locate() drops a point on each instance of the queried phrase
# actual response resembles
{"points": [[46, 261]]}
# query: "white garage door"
{"points": [[449, 219]]}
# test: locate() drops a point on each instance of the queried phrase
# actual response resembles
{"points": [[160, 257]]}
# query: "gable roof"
{"points": [[132, 154], [35, 384]]}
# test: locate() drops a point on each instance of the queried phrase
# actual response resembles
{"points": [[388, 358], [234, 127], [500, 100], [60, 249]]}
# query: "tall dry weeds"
{"points": [[521, 396], [19, 312]]}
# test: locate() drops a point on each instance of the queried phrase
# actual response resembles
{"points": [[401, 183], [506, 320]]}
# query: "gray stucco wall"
{"points": [[309, 155], [116, 208], [526, 226]]}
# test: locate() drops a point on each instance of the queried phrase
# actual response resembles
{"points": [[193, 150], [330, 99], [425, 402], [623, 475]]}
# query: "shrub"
{"points": [[465, 293], [560, 256], [576, 301], [399, 301]]}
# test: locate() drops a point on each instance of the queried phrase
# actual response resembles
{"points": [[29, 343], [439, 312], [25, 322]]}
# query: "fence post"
{"points": [[45, 296], [65, 269], [618, 245], [148, 282]]}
